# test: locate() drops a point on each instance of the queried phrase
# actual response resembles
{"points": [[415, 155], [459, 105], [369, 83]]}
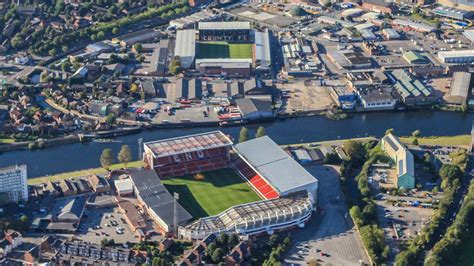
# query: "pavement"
{"points": [[332, 231]]}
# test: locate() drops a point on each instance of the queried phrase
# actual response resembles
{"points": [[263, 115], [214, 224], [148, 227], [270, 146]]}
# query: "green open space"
{"points": [[214, 193], [459, 140], [224, 50], [81, 173]]}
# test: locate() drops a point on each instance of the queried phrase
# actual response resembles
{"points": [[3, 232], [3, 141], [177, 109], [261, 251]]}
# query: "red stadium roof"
{"points": [[197, 142]]}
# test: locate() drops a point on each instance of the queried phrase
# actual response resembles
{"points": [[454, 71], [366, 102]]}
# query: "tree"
{"points": [[389, 131], [106, 158], [100, 35], [244, 135], [416, 133], [104, 242], [355, 150], [415, 141], [223, 239], [175, 66], [115, 31], [52, 52], [260, 132], [450, 172], [211, 248], [24, 219], [110, 119], [217, 255], [125, 155], [137, 47]]}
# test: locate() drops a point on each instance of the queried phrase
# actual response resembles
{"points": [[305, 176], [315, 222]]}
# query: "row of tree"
{"points": [[244, 133], [364, 210], [124, 156], [449, 249]]}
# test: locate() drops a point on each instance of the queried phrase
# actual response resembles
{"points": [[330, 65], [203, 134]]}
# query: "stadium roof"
{"points": [[185, 43], [274, 164], [190, 143], [255, 215], [156, 196], [224, 25]]}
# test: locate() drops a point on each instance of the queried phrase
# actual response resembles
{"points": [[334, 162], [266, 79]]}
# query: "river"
{"points": [[80, 156]]}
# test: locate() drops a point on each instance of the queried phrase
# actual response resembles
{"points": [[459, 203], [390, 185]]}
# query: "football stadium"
{"points": [[230, 48], [248, 188]]}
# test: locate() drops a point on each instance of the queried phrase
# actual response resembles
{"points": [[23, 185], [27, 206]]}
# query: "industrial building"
{"points": [[403, 159], [458, 4], [415, 58], [411, 90], [452, 13], [460, 88], [407, 25], [14, 183], [390, 34], [456, 57], [185, 47]]}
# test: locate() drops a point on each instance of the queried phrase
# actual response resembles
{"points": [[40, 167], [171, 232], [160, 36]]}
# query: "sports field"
{"points": [[224, 50], [218, 191]]}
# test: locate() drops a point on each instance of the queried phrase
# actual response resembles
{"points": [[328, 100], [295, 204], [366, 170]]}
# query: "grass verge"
{"points": [[80, 173], [459, 140]]}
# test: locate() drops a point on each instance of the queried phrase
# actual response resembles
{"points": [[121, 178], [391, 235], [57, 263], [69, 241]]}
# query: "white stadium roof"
{"points": [[275, 165], [225, 25]]}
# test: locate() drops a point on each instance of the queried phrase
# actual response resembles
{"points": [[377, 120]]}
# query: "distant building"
{"points": [[13, 184], [403, 159], [452, 13], [390, 34], [460, 87], [415, 58], [456, 57], [379, 6], [459, 4]]}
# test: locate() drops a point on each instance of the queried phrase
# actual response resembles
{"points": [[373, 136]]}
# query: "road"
{"points": [[331, 232], [455, 206]]}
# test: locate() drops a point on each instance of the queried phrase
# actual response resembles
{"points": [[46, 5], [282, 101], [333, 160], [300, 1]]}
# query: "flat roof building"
{"points": [[224, 25], [411, 90], [456, 57], [13, 183], [452, 13], [185, 47], [460, 88], [412, 25], [390, 34]]}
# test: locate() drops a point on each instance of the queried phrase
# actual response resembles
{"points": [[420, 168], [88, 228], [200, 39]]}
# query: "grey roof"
{"points": [[69, 208], [275, 165], [185, 43], [157, 197], [251, 105], [461, 84], [225, 25], [394, 142]]}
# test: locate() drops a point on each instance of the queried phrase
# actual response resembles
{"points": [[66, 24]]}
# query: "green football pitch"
{"points": [[224, 50], [218, 191]]}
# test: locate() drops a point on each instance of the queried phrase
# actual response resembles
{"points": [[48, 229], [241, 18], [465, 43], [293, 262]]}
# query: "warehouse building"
{"points": [[415, 58], [185, 47], [255, 108], [407, 25], [403, 159], [456, 57], [411, 90], [262, 49], [390, 34], [460, 87], [451, 13]]}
